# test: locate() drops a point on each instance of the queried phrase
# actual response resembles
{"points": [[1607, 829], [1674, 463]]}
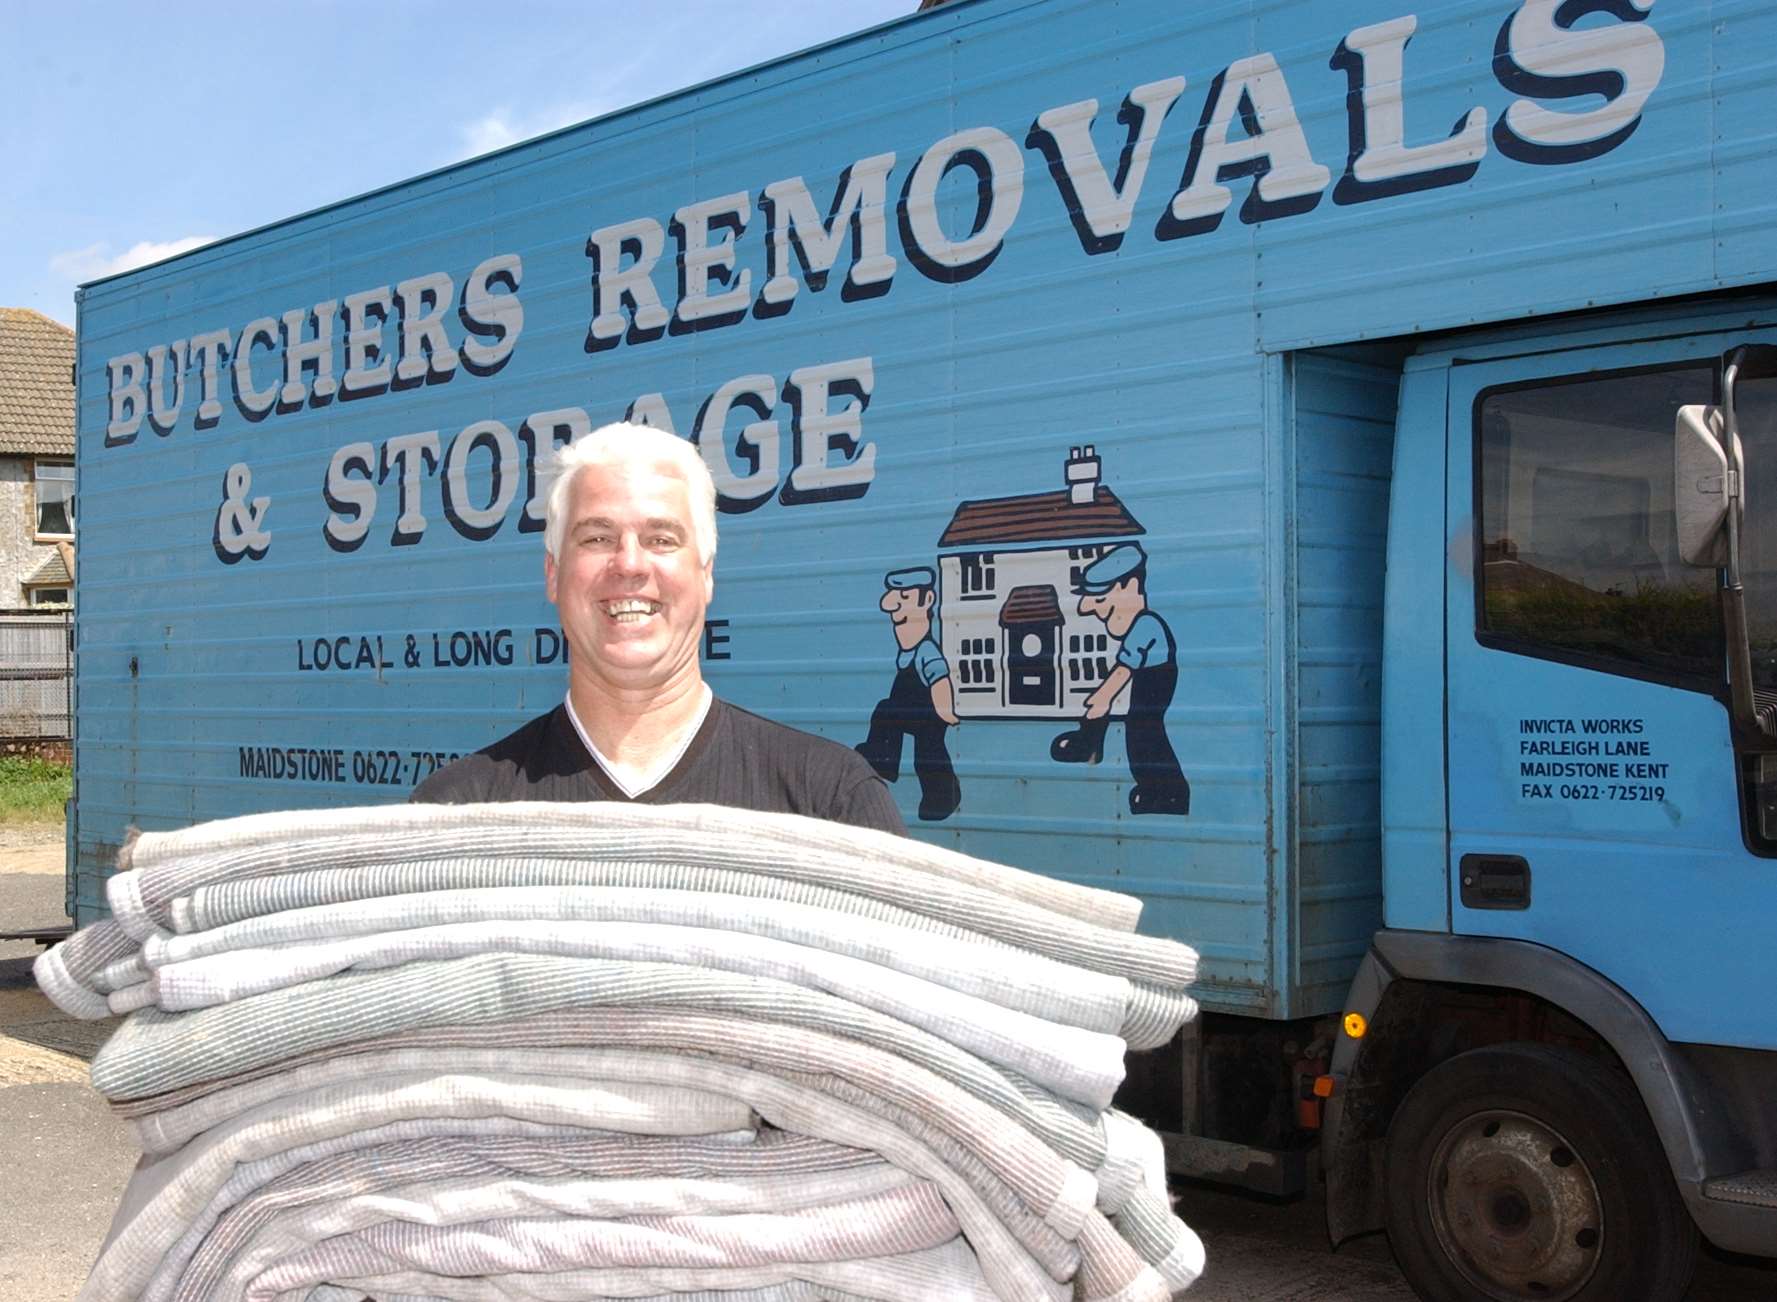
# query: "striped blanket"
{"points": [[592, 1051]]}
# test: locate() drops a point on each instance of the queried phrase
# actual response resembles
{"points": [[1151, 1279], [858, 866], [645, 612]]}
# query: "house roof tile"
{"points": [[36, 384], [1039, 517], [52, 573], [1034, 603]]}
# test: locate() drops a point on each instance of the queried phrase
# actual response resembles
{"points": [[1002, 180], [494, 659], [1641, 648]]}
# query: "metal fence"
{"points": [[36, 676]]}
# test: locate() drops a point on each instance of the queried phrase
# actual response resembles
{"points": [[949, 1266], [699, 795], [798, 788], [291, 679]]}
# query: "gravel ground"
{"points": [[30, 836]]}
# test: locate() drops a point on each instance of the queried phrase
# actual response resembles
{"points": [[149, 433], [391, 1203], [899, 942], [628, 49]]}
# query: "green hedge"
{"points": [[33, 790]]}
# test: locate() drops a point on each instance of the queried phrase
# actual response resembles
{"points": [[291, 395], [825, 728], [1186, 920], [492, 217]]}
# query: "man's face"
{"points": [[1117, 608], [629, 585], [911, 617]]}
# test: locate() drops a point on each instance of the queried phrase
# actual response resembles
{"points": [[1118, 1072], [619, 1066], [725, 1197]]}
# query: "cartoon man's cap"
{"points": [[1110, 569], [917, 576]]}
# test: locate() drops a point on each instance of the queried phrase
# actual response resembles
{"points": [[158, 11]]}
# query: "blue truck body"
{"points": [[1248, 292]]}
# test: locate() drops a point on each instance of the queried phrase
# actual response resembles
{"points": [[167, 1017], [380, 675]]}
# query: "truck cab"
{"points": [[1558, 1061]]}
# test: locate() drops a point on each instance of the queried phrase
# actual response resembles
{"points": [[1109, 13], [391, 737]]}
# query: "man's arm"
{"points": [[944, 701], [934, 672], [1099, 703]]}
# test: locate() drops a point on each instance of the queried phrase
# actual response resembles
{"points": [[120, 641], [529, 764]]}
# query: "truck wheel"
{"points": [[1523, 1172]]}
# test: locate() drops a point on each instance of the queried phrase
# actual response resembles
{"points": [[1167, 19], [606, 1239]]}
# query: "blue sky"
{"points": [[134, 131]]}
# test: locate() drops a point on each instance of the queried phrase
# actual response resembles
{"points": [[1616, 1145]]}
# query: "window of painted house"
{"points": [[55, 499], [977, 575], [975, 666]]}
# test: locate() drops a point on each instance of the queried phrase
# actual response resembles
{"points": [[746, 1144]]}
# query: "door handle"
{"points": [[1494, 881]]}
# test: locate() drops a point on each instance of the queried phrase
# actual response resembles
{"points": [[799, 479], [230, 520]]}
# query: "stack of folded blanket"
{"points": [[530, 1051]]}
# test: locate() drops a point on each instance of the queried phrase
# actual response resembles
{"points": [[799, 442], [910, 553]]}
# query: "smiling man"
{"points": [[630, 543]]}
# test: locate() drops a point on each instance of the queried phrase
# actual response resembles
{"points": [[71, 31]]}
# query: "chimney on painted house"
{"points": [[1081, 474]]}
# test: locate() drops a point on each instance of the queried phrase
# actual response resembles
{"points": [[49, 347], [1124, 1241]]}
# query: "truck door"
{"points": [[1594, 790]]}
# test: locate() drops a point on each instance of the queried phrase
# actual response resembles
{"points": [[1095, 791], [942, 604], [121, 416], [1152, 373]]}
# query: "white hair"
{"points": [[623, 444]]}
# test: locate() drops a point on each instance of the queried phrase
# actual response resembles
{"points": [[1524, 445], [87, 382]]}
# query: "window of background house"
{"points": [[47, 596], [55, 499]]}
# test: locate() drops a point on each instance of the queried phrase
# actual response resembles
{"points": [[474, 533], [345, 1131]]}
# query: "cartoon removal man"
{"points": [[1113, 589], [920, 703]]}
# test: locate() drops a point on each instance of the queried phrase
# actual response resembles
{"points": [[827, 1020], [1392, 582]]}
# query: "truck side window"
{"points": [[1578, 557]]}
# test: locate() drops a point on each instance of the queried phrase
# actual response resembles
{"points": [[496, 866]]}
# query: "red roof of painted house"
{"points": [[1033, 603], [1039, 517]]}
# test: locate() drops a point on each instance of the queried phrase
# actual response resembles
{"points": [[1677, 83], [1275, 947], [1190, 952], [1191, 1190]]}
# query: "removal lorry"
{"points": [[1323, 455]]}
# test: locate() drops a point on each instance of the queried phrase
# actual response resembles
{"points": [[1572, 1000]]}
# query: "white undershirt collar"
{"points": [[652, 778]]}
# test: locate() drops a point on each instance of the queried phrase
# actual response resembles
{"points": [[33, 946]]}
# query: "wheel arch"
{"points": [[1428, 996]]}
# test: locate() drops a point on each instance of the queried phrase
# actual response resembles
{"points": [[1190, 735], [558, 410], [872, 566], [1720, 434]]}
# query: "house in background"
{"points": [[36, 461], [1009, 619]]}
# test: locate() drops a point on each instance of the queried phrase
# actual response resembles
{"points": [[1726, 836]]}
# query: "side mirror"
{"points": [[1701, 485]]}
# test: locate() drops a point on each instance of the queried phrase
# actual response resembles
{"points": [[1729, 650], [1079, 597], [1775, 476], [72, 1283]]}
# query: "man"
{"points": [[630, 551], [921, 703], [1113, 589]]}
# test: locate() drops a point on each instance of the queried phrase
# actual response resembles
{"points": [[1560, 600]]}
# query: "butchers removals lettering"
{"points": [[744, 259]]}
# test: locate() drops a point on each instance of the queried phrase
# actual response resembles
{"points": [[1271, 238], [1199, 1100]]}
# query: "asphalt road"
{"points": [[64, 1160], [1262, 1251]]}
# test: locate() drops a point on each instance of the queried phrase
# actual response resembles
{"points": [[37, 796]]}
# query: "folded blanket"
{"points": [[172, 1203], [1040, 1196], [605, 1176], [547, 1045], [153, 1052], [904, 1219], [229, 893], [1078, 1064], [165, 1199], [537, 1051], [1168, 1247], [1006, 1166], [947, 1273], [79, 973], [168, 864], [578, 1150], [905, 942], [72, 974]]}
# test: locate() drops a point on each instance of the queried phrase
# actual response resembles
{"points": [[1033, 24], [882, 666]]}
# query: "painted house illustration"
{"points": [[1010, 625]]}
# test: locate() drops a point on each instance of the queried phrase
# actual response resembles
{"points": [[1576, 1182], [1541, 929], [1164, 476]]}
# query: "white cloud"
{"points": [[622, 82], [96, 261], [504, 127], [495, 131]]}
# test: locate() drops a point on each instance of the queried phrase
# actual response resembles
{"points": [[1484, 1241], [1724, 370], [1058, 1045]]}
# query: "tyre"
{"points": [[1526, 1173]]}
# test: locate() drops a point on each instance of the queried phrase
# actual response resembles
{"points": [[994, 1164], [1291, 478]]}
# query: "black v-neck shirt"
{"points": [[736, 758]]}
